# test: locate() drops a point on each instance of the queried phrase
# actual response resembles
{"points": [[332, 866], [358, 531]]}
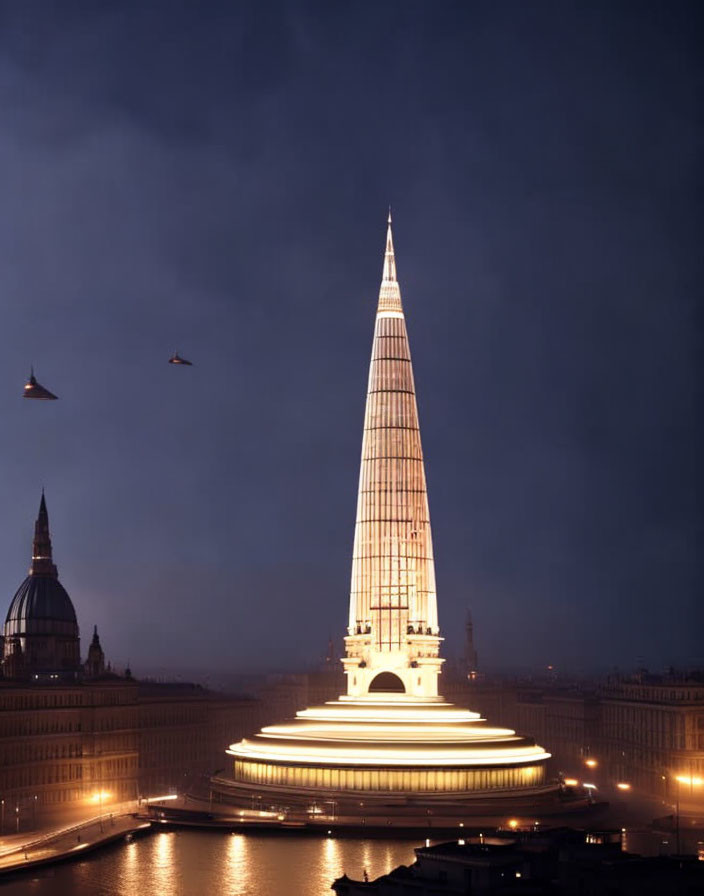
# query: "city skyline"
{"points": [[548, 243]]}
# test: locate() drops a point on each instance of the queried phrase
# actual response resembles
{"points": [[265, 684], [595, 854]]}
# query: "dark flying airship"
{"points": [[177, 359], [33, 389]]}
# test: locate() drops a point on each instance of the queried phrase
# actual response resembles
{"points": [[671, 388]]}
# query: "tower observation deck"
{"points": [[391, 739]]}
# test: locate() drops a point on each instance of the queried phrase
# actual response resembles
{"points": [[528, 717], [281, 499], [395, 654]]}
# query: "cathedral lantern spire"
{"points": [[42, 562], [393, 626]]}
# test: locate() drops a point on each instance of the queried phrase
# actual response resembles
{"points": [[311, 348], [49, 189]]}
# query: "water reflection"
{"points": [[128, 880], [183, 863], [235, 877], [163, 876], [331, 863], [388, 861], [366, 857]]}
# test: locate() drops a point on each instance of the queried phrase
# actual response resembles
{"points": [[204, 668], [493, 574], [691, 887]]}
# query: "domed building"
{"points": [[41, 638], [392, 745]]}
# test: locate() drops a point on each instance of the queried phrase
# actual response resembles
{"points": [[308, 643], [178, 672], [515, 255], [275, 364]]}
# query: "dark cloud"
{"points": [[213, 178]]}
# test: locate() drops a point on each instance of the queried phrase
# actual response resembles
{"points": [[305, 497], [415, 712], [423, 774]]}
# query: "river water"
{"points": [[195, 863]]}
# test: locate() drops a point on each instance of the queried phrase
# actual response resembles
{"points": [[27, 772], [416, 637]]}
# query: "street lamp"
{"points": [[17, 817], [2, 818], [693, 782]]}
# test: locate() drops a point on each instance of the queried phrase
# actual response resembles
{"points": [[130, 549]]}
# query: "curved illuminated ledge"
{"points": [[376, 744]]}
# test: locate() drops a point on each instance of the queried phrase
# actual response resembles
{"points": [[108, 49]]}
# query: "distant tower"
{"points": [[95, 664], [330, 655], [41, 638], [470, 656]]}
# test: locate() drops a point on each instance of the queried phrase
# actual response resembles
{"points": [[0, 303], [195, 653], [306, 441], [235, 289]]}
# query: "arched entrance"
{"points": [[386, 683]]}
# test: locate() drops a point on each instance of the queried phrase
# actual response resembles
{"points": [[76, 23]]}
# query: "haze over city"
{"points": [[216, 182]]}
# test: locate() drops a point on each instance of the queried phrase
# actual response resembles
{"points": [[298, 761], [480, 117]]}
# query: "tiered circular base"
{"points": [[385, 752]]}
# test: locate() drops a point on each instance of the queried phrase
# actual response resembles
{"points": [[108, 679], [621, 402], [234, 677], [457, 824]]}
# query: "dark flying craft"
{"points": [[33, 389], [177, 359]]}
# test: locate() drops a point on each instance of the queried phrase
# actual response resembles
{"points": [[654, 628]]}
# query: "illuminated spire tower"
{"points": [[391, 745], [393, 622]]}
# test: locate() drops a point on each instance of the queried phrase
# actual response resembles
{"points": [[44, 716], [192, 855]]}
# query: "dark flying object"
{"points": [[177, 359], [33, 389]]}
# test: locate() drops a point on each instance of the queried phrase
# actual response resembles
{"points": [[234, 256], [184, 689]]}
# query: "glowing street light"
{"points": [[622, 785], [591, 763], [571, 782], [691, 781]]}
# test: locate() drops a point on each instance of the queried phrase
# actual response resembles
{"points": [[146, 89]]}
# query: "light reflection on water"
{"points": [[162, 862], [235, 875], [183, 863]]}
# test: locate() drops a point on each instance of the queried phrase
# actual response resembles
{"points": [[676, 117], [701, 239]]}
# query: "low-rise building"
{"points": [[645, 732], [76, 737]]}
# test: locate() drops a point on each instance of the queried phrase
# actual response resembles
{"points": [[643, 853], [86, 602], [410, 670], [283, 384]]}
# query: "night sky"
{"points": [[214, 179]]}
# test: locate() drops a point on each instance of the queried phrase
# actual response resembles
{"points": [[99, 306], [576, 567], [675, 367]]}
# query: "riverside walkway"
{"points": [[22, 852]]}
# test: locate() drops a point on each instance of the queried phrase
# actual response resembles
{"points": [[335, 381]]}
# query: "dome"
{"points": [[41, 606], [41, 629]]}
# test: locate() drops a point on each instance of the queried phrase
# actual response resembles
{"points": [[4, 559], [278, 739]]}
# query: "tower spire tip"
{"points": [[389, 273]]}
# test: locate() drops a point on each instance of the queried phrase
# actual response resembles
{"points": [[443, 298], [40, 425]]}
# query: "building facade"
{"points": [[76, 738], [646, 731]]}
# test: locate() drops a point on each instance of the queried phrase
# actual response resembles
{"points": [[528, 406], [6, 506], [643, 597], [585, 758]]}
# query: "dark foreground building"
{"points": [[561, 862]]}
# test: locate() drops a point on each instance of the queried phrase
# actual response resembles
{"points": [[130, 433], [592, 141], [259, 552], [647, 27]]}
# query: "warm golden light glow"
{"points": [[592, 763], [391, 732], [622, 785], [571, 782], [388, 779], [513, 823], [689, 780], [100, 796]]}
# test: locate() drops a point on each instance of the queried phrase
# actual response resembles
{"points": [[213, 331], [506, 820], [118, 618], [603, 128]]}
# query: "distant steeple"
{"points": [[42, 564], [470, 657], [95, 664]]}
